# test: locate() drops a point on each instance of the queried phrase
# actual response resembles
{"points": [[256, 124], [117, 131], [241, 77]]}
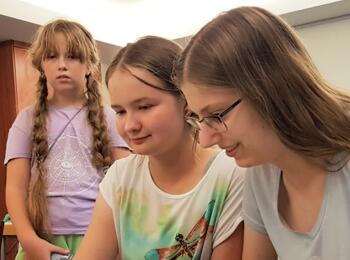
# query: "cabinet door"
{"points": [[26, 79], [17, 90]]}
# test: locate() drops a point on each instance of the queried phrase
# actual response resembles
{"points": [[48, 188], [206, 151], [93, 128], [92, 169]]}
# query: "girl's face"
{"points": [[151, 121], [64, 72], [248, 138]]}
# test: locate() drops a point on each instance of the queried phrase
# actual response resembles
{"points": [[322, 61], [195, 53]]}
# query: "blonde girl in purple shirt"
{"points": [[58, 149]]}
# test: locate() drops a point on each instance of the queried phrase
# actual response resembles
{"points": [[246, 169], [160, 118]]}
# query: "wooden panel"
{"points": [[26, 79], [10, 247], [10, 242], [17, 90], [18, 81], [7, 110], [9, 230]]}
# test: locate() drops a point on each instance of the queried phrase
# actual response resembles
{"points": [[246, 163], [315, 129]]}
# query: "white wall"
{"points": [[328, 43], [104, 92]]}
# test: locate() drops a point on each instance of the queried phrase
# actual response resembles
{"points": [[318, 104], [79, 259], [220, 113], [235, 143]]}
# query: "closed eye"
{"points": [[216, 114], [120, 112], [51, 56], [192, 115], [71, 56], [144, 107]]}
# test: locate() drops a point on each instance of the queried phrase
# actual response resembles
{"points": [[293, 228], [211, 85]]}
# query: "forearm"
{"points": [[232, 247], [16, 205], [257, 246], [100, 240], [18, 174]]}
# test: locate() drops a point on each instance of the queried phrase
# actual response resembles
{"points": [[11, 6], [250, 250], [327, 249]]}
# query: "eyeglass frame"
{"points": [[220, 116]]}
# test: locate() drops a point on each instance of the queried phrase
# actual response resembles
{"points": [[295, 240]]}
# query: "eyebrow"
{"points": [[136, 101], [207, 108]]}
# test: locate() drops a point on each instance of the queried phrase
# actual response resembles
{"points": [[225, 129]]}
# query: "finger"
{"points": [[59, 250]]}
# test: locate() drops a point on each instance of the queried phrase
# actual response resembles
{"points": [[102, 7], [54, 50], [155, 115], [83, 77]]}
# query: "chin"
{"points": [[142, 150], [245, 163], [139, 151]]}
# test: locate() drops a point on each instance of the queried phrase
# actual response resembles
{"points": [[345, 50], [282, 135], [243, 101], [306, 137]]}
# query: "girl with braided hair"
{"points": [[58, 149]]}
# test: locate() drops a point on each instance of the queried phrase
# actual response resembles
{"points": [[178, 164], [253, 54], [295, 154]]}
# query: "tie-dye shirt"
{"points": [[72, 179], [152, 224]]}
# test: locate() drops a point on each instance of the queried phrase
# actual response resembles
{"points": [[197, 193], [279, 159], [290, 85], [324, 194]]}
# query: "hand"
{"points": [[40, 249]]}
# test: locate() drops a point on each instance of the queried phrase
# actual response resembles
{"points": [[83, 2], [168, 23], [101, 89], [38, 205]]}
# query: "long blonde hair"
{"points": [[258, 54], [82, 45]]}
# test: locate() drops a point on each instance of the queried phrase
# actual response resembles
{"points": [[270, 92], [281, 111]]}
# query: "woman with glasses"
{"points": [[255, 92], [169, 200]]}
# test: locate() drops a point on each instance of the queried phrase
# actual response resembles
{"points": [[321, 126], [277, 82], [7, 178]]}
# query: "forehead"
{"points": [[124, 87], [202, 97], [57, 41], [64, 42]]}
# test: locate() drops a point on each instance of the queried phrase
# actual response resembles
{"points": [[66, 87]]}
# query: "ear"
{"points": [[187, 110]]}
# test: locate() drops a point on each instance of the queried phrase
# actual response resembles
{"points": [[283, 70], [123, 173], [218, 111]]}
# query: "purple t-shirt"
{"points": [[72, 179]]}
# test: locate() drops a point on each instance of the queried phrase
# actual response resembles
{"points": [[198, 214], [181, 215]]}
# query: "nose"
{"points": [[62, 63], [208, 138], [132, 123]]}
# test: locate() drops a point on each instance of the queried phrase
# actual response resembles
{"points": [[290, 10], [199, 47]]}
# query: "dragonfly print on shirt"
{"points": [[189, 247]]}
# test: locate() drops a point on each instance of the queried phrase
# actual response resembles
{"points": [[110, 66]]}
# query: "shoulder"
{"points": [[224, 165], [25, 116], [339, 172], [108, 111], [27, 112], [225, 172], [127, 167], [262, 179], [264, 173], [110, 116]]}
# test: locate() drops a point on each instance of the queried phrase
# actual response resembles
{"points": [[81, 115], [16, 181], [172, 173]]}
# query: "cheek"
{"points": [[261, 137], [166, 121], [120, 127]]}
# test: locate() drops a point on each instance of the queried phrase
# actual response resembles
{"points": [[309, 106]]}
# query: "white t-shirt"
{"points": [[151, 223], [330, 236]]}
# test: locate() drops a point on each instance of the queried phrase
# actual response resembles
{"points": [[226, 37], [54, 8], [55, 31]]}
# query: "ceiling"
{"points": [[116, 22]]}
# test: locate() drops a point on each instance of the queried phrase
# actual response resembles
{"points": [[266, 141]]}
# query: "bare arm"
{"points": [[100, 240], [17, 183], [118, 153], [18, 174], [257, 246], [231, 248]]}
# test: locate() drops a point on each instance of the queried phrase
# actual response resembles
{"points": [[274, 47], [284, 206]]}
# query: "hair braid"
{"points": [[101, 153], [37, 197]]}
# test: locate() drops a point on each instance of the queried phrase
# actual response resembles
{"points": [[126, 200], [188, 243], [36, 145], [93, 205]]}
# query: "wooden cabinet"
{"points": [[17, 90], [18, 81]]}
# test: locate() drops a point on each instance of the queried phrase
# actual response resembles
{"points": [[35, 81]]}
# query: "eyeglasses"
{"points": [[215, 121]]}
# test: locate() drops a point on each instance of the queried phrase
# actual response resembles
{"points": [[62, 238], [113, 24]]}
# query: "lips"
{"points": [[63, 77], [232, 151], [139, 140]]}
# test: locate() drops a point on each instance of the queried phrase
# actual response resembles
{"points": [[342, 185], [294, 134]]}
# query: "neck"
{"points": [[300, 171], [182, 155], [68, 100], [179, 170]]}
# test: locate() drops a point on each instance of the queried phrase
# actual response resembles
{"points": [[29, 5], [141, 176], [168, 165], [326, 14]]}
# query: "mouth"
{"points": [[139, 140], [232, 150], [63, 77]]}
